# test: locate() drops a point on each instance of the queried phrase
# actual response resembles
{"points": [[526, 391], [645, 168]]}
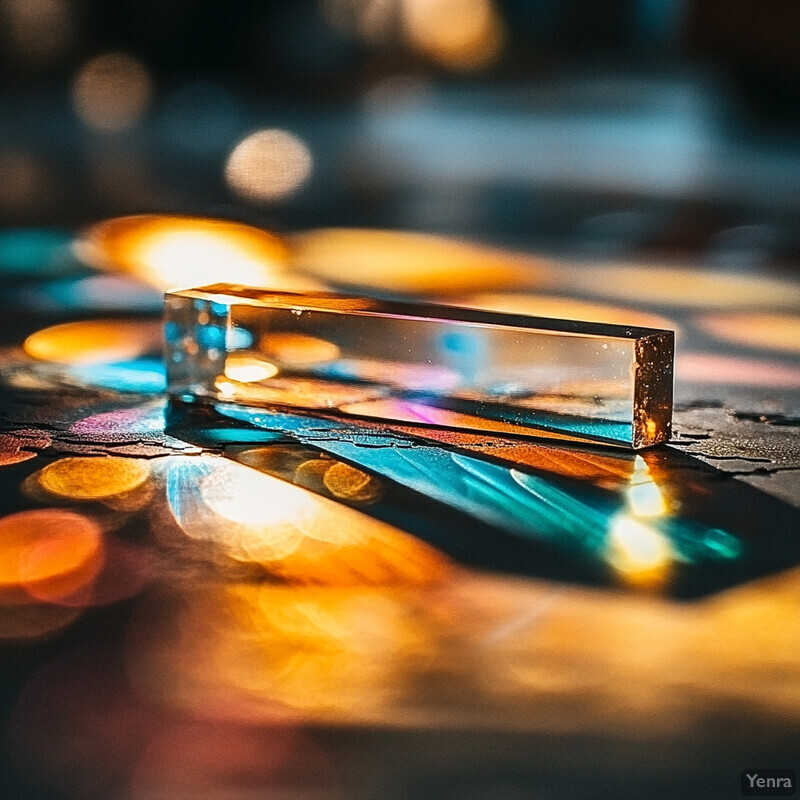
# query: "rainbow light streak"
{"points": [[570, 515]]}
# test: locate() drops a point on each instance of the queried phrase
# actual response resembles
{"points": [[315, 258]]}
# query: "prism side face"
{"points": [[420, 363]]}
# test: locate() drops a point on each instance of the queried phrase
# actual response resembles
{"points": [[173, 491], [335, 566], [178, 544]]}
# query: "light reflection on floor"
{"points": [[289, 532], [233, 626]]}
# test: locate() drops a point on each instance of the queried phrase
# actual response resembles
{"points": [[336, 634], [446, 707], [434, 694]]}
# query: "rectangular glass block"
{"points": [[421, 363]]}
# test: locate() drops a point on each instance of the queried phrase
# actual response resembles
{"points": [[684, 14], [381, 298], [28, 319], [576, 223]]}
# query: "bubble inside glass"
{"points": [[420, 363]]}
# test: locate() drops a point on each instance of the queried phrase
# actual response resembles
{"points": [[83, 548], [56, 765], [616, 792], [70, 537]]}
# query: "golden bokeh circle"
{"points": [[94, 341], [47, 548], [93, 478], [350, 484], [169, 251]]}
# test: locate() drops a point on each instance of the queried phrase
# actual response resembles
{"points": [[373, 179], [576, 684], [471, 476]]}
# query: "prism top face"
{"points": [[426, 364]]}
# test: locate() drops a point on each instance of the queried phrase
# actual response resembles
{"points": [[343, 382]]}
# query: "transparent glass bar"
{"points": [[420, 363]]}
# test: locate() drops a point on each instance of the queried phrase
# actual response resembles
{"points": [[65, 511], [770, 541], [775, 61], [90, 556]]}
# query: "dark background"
{"points": [[710, 84]]}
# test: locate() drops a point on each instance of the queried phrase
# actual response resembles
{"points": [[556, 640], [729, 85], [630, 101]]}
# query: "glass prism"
{"points": [[421, 363]]}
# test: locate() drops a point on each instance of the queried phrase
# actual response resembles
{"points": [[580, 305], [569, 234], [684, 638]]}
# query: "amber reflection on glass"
{"points": [[268, 165], [303, 392], [170, 251], [244, 368], [94, 341], [779, 332], [320, 473], [93, 478], [400, 261], [458, 34], [297, 349], [290, 532], [48, 553], [591, 381]]}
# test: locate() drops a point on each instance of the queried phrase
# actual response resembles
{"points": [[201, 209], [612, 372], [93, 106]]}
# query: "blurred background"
{"points": [[281, 623], [607, 128]]}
